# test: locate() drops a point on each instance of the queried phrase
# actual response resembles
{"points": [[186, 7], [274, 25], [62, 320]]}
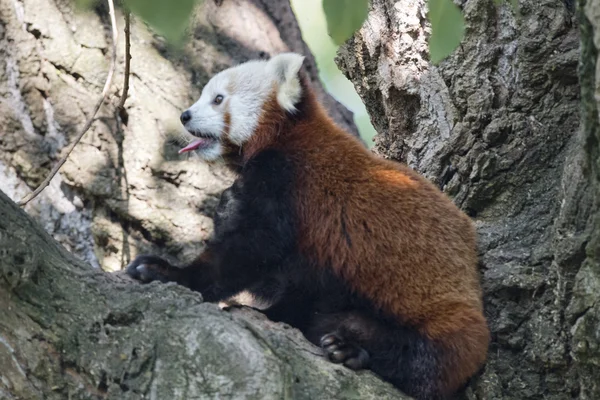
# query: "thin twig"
{"points": [[127, 60], [111, 71]]}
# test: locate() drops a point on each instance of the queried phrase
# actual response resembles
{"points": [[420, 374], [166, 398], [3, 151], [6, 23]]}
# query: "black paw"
{"points": [[339, 351], [149, 268]]}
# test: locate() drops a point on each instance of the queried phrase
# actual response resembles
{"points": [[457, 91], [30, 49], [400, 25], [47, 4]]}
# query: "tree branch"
{"points": [[90, 120], [127, 61]]}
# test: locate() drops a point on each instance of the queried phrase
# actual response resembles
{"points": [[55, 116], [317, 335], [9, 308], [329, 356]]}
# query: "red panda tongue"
{"points": [[193, 146]]}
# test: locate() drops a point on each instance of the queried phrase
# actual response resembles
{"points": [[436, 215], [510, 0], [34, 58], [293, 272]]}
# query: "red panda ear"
{"points": [[285, 68]]}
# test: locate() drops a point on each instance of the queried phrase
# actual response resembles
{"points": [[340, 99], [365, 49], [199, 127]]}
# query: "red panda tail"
{"points": [[462, 337]]}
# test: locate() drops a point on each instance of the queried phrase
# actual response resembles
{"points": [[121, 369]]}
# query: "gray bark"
{"points": [[70, 331], [497, 126]]}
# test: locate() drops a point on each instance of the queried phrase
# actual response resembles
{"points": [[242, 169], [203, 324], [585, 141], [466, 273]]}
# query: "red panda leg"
{"points": [[422, 367], [398, 354], [348, 353]]}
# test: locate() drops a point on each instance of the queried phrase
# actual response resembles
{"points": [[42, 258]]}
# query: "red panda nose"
{"points": [[185, 117]]}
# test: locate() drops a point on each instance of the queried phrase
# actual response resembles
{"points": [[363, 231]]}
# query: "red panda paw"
{"points": [[149, 268], [339, 351]]}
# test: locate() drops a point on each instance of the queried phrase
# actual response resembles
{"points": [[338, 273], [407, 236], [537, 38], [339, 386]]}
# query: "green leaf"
{"points": [[169, 18], [344, 17], [447, 29]]}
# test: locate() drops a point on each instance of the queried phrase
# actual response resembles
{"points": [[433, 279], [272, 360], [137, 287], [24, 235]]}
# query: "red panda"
{"points": [[366, 257]]}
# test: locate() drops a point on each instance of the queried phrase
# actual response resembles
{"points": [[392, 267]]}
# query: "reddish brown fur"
{"points": [[230, 152], [390, 233]]}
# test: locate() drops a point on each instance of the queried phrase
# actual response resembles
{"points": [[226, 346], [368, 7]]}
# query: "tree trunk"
{"points": [[498, 127], [69, 331]]}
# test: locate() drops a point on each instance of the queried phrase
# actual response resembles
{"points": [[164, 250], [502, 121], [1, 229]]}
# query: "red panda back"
{"points": [[386, 231], [395, 239]]}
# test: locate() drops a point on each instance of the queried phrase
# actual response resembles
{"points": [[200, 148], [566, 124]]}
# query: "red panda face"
{"points": [[228, 111]]}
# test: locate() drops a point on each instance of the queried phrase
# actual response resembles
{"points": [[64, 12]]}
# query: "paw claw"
{"points": [[340, 351], [147, 269], [337, 356], [360, 361], [141, 269], [143, 272], [331, 348], [328, 340]]}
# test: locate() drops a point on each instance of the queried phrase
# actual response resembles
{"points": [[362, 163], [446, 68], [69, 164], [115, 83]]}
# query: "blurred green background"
{"points": [[314, 31]]}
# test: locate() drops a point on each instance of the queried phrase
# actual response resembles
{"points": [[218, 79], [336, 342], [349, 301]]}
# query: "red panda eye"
{"points": [[218, 100]]}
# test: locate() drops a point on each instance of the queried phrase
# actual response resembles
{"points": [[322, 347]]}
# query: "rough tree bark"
{"points": [[497, 126], [69, 331]]}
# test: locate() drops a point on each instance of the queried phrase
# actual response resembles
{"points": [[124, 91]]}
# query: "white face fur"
{"points": [[241, 92]]}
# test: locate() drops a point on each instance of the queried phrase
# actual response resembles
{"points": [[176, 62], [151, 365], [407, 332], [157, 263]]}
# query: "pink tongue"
{"points": [[192, 146]]}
